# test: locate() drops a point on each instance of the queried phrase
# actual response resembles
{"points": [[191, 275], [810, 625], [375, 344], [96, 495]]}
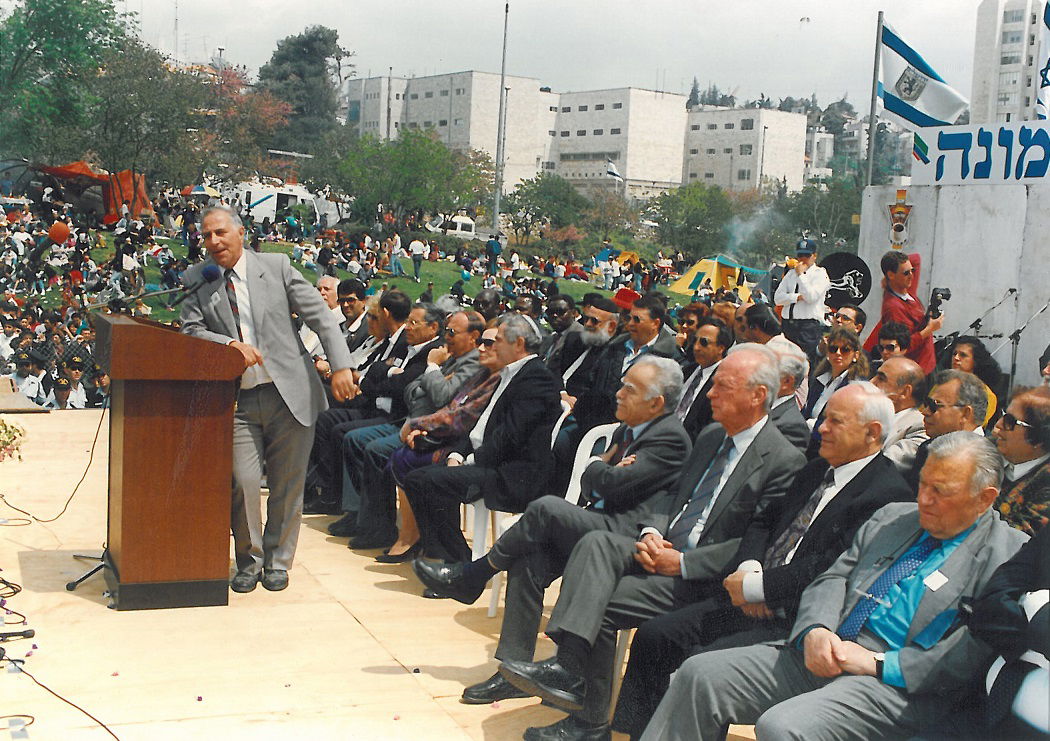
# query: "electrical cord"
{"points": [[91, 458], [9, 589], [18, 665]]}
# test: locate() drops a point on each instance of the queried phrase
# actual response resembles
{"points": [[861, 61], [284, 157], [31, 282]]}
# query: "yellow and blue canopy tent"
{"points": [[723, 272]]}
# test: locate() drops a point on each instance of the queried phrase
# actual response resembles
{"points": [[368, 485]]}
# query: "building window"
{"points": [[413, 125], [709, 176], [1013, 16], [581, 108], [692, 176], [566, 108], [428, 94], [461, 90], [1013, 37], [745, 148], [617, 106], [711, 151], [694, 151], [614, 131], [554, 109], [459, 122], [1009, 79], [397, 96], [443, 122], [599, 106], [598, 132], [581, 132], [444, 93], [727, 150], [1010, 59], [414, 96], [564, 133], [396, 125], [552, 132], [729, 126], [428, 124], [712, 127], [747, 124], [694, 127], [743, 174]]}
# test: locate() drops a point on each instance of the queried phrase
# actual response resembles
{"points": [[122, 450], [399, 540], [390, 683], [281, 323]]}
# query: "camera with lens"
{"points": [[938, 296]]}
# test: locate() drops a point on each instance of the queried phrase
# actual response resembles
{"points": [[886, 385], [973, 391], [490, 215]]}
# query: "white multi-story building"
{"points": [[1005, 78], [637, 130], [820, 148], [744, 148]]}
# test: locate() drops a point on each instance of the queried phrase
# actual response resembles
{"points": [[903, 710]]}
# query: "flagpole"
{"points": [[873, 113]]}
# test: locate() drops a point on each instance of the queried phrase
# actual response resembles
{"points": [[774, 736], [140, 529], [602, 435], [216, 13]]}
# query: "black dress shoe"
{"points": [[547, 679], [343, 527], [243, 582], [447, 580], [322, 506], [408, 555], [568, 729], [371, 541], [431, 594], [275, 580], [491, 690]]}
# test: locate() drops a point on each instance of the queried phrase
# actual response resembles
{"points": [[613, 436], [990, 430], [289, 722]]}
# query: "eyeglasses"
{"points": [[1010, 422], [842, 317], [840, 349], [704, 342], [558, 312], [347, 299], [888, 348], [935, 406], [909, 271], [588, 319], [637, 319], [487, 341]]}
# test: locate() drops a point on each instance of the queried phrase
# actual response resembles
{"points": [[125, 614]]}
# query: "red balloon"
{"points": [[59, 232]]}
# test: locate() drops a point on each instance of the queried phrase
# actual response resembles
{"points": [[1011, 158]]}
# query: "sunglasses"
{"points": [[909, 271], [487, 341], [842, 317], [557, 312], [1009, 422], [348, 299], [935, 406], [587, 319], [840, 349], [704, 342], [888, 348], [450, 332]]}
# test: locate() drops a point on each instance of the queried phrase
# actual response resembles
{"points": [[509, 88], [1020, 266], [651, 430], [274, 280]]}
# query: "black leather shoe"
{"points": [[371, 541], [408, 555], [431, 594], [568, 729], [447, 580], [243, 582], [275, 580], [491, 690], [343, 527], [322, 506], [547, 679]]}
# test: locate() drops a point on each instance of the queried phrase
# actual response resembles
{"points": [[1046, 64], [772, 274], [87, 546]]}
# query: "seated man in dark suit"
{"points": [[785, 548], [875, 651], [710, 343], [647, 451], [506, 459], [955, 402], [785, 413], [737, 468]]}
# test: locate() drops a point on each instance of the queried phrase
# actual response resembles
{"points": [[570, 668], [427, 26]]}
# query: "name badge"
{"points": [[935, 581]]}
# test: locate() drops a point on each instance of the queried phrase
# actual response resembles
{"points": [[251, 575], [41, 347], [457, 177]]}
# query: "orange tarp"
{"points": [[124, 186]]}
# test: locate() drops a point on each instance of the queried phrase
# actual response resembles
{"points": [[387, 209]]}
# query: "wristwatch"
{"points": [[880, 661]]}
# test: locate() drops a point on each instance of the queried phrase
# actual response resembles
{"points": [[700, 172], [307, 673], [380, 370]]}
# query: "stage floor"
{"points": [[349, 651]]}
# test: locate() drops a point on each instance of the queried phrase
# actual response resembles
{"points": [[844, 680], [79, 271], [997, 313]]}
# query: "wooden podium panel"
{"points": [[170, 464]]}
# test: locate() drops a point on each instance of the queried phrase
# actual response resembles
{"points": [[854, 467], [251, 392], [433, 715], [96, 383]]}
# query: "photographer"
{"points": [[899, 304]]}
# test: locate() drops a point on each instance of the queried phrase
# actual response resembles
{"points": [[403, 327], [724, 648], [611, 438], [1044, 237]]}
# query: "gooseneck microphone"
{"points": [[209, 274]]}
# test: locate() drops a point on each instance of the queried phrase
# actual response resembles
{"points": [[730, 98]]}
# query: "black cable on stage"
{"points": [[91, 457]]}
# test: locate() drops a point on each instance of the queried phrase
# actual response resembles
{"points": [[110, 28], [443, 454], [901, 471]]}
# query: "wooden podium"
{"points": [[170, 463]]}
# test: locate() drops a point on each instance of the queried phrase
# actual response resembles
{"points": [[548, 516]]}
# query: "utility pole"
{"points": [[873, 114], [501, 122], [389, 82]]}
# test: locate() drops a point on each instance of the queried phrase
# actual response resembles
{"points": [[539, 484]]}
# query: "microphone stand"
{"points": [[1015, 339], [975, 325]]}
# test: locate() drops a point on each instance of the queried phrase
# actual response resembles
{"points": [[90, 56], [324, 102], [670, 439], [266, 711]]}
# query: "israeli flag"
{"points": [[912, 93], [611, 171], [1042, 98]]}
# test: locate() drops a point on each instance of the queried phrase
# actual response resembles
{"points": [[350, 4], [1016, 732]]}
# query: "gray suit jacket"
{"points": [[938, 660], [907, 435], [276, 289], [792, 424], [431, 391], [762, 475]]}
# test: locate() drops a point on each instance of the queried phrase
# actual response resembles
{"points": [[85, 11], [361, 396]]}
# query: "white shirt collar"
{"points": [[511, 369], [240, 268], [1015, 471], [782, 400], [743, 439], [845, 473]]}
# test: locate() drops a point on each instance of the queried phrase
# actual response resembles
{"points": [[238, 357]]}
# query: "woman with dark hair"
{"points": [[968, 354], [844, 361]]}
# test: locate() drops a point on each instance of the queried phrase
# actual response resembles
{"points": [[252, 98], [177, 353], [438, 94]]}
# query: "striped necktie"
{"points": [[902, 568], [777, 553], [232, 295], [705, 489], [687, 397]]}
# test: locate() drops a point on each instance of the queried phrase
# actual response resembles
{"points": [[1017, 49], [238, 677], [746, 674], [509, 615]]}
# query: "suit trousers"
{"points": [[324, 457], [605, 590], [534, 551], [265, 430], [661, 645], [371, 450], [352, 438], [769, 686], [435, 493]]}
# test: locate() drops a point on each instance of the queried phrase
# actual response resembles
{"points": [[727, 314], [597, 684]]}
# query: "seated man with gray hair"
{"points": [[785, 414], [645, 455], [876, 650], [786, 546], [507, 456], [955, 402]]}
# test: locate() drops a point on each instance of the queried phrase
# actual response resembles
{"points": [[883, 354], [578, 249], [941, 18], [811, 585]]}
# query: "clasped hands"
{"points": [[827, 655], [658, 556]]}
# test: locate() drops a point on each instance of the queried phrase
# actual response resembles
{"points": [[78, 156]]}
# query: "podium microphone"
{"points": [[209, 274], [17, 634]]}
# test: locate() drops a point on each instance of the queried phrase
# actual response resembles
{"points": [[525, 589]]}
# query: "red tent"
{"points": [[124, 186]]}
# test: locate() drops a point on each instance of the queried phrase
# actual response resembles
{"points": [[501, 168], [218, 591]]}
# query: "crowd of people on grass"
{"points": [[822, 537]]}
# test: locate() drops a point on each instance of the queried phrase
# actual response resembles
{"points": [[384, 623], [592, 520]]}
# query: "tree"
{"points": [[304, 71], [827, 211], [609, 213], [558, 202], [694, 95], [692, 218], [243, 121], [48, 48], [837, 115]]}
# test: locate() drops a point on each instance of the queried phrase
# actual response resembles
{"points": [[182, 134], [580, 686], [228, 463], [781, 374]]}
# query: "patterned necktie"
{"points": [[902, 568], [621, 450], [776, 554], [232, 295], [687, 396], [705, 489]]}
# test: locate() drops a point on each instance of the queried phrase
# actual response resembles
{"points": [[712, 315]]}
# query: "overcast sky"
{"points": [[779, 47]]}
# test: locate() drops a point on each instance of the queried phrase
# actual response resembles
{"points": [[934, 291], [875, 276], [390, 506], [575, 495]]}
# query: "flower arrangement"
{"points": [[11, 437]]}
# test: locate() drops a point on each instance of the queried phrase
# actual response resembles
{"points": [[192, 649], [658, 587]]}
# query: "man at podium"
{"points": [[250, 309]]}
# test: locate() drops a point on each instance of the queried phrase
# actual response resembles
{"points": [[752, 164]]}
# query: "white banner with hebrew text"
{"points": [[992, 154]]}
